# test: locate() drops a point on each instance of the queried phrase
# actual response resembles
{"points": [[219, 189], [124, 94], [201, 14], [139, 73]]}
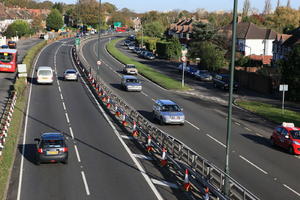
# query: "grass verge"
{"points": [[161, 79], [271, 112], [10, 147]]}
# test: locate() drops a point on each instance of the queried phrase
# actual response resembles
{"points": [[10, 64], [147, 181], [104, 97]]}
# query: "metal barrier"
{"points": [[203, 173]]}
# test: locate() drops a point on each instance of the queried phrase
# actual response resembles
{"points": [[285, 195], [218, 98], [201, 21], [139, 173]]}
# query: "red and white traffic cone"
{"points": [[100, 93], [124, 122], [149, 145], [163, 161], [135, 133], [206, 193], [104, 98], [186, 183], [117, 112], [108, 103]]}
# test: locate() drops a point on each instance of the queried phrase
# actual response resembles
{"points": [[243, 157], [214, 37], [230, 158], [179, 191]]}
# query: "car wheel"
{"points": [[272, 142], [291, 150], [161, 121]]}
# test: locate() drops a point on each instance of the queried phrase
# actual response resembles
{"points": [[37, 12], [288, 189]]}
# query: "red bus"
{"points": [[8, 60], [121, 29]]}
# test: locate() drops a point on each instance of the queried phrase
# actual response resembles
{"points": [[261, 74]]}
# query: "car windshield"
{"points": [[52, 143], [6, 57], [130, 66], [171, 108], [44, 72], [295, 134], [71, 72], [132, 80]]}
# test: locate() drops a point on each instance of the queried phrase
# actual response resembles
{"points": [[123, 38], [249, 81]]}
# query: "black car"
{"points": [[51, 147], [222, 81], [12, 44]]}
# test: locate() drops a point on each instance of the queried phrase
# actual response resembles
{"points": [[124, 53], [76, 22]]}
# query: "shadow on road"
{"points": [[29, 153]]}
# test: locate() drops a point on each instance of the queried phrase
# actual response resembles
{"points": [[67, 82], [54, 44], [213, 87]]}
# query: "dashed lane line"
{"points": [[143, 93], [164, 183], [292, 190], [127, 137], [59, 89], [71, 132], [64, 105], [223, 145], [61, 96], [248, 129], [193, 125], [77, 153], [85, 183], [67, 117], [142, 156], [260, 169], [237, 123]]}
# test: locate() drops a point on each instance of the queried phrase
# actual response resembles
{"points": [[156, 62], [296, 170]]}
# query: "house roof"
{"points": [[293, 39], [182, 26], [266, 60]]}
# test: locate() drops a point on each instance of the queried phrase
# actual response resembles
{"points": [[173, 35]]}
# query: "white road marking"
{"points": [[61, 96], [58, 83], [258, 134], [59, 89], [237, 123], [223, 145], [63, 103], [153, 99], [136, 162], [142, 156], [77, 153], [71, 132], [25, 129], [127, 137], [144, 94], [85, 183], [248, 129], [67, 117], [294, 191], [164, 183], [263, 171], [192, 125]]}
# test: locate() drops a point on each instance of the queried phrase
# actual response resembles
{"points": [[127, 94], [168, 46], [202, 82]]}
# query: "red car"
{"points": [[287, 136]]}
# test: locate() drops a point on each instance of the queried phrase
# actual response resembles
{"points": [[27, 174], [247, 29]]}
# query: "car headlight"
{"points": [[297, 143]]}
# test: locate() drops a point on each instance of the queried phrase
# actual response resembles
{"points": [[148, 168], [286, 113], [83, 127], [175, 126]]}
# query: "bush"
{"points": [[149, 42], [18, 27], [169, 49]]}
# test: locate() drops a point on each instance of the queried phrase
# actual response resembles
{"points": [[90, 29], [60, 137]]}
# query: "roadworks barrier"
{"points": [[202, 174]]}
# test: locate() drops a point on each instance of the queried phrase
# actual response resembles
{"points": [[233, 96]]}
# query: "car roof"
{"points": [[44, 68], [52, 136], [130, 65], [166, 102], [68, 70], [129, 77]]}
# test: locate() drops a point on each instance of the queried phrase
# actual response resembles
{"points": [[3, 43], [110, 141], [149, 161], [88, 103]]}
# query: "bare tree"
{"points": [[246, 7], [268, 7], [278, 4], [288, 4]]}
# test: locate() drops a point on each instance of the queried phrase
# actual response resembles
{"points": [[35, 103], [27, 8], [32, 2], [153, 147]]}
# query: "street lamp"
{"points": [[229, 120], [99, 19]]}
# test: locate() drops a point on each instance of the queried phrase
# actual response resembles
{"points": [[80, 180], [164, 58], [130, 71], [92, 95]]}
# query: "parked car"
{"points": [[51, 147], [168, 112], [130, 69], [45, 75], [71, 75], [131, 46], [126, 42], [203, 75], [143, 53], [131, 83], [287, 136], [12, 44], [149, 55], [4, 46], [222, 81]]}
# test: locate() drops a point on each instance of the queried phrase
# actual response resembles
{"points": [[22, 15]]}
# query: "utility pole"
{"points": [[99, 36], [229, 120]]}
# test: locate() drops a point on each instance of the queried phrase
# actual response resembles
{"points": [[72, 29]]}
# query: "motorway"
{"points": [[267, 172], [101, 166]]}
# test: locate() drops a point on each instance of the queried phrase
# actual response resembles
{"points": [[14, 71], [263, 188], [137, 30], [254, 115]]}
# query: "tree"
{"points": [[203, 32], [246, 7], [267, 8], [153, 29], [278, 4], [290, 73], [288, 4], [36, 23], [54, 20], [59, 7], [18, 27]]}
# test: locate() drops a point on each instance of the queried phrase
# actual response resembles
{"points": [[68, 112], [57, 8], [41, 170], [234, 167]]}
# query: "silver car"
{"points": [[131, 83], [168, 112], [71, 75]]}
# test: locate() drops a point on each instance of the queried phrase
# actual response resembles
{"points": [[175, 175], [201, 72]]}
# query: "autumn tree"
{"points": [[36, 23], [246, 7], [153, 29], [54, 20]]}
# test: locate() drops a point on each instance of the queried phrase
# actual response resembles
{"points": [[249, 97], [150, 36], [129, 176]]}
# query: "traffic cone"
{"points": [[124, 122], [104, 99], [186, 183], [108, 103], [206, 193], [135, 133], [149, 145], [100, 93], [163, 161]]}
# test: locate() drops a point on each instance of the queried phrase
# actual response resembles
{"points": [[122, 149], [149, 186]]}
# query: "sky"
{"points": [[141, 6]]}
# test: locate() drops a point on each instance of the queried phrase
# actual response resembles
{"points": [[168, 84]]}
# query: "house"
{"points": [[182, 29], [280, 49]]}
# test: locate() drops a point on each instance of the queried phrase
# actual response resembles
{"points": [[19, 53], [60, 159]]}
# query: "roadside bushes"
{"points": [[169, 49]]}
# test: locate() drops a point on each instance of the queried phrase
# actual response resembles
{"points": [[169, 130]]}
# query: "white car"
{"points": [[45, 75], [71, 75]]}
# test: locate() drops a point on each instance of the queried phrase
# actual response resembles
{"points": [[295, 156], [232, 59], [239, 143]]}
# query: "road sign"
{"points": [[183, 58], [77, 41], [283, 87], [98, 62]]}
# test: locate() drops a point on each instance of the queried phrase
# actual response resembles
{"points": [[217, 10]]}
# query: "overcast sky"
{"points": [[190, 5]]}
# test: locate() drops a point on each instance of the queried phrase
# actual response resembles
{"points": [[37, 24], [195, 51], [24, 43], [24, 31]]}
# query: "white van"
{"points": [[45, 75]]}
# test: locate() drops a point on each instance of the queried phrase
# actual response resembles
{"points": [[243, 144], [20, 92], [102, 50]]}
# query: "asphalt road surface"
{"points": [[100, 165], [268, 172]]}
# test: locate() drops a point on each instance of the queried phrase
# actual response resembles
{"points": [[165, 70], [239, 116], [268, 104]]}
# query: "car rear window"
{"points": [[170, 108], [132, 81], [44, 72], [52, 143], [71, 72]]}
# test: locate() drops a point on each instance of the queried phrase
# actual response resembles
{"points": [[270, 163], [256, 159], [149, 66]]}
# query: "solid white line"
{"points": [[223, 145], [68, 120], [164, 183], [142, 156], [71, 132], [294, 191], [85, 183], [127, 137], [63, 103], [25, 128], [263, 171], [192, 125], [136, 162], [144, 93], [77, 153]]}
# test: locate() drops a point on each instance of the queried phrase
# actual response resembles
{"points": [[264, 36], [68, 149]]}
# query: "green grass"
{"points": [[271, 112], [161, 79], [10, 147]]}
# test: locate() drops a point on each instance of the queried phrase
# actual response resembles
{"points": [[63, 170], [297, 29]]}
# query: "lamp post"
{"points": [[99, 36], [229, 120]]}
